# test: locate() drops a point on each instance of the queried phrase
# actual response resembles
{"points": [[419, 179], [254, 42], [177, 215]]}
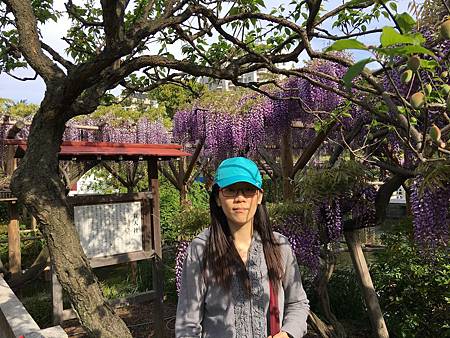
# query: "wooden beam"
{"points": [[120, 258]]}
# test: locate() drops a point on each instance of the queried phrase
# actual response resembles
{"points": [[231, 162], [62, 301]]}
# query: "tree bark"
{"points": [[37, 184], [287, 165], [327, 268], [365, 281], [319, 326]]}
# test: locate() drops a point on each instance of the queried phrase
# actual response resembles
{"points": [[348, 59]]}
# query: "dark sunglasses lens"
{"points": [[248, 192]]}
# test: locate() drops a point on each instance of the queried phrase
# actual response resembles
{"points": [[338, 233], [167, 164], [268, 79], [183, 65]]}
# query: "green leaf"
{"points": [[346, 44], [393, 6], [405, 21], [428, 64], [354, 71], [390, 37], [404, 51]]}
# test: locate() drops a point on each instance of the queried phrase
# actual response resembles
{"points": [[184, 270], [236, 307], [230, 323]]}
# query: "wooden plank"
{"points": [[57, 300], [68, 314], [14, 254], [370, 296], [106, 199], [122, 258]]}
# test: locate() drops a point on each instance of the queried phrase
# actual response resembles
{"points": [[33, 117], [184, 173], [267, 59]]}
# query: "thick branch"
{"points": [[29, 42], [193, 159], [57, 57], [311, 148], [113, 18], [276, 168], [384, 195], [348, 139]]}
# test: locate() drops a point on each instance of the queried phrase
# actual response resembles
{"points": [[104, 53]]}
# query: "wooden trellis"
{"points": [[147, 224]]}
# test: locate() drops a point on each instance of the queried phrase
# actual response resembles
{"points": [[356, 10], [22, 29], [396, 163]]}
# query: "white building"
{"points": [[255, 76]]}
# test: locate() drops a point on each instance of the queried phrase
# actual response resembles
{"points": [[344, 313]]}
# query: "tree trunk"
{"points": [[327, 268], [365, 281], [287, 165], [37, 184], [319, 326]]}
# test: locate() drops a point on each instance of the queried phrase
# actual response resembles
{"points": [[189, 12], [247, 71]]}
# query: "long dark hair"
{"points": [[222, 257]]}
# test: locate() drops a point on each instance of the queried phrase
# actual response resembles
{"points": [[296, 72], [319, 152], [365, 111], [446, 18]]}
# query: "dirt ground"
{"points": [[139, 320]]}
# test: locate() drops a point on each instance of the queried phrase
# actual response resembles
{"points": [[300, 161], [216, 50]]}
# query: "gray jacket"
{"points": [[207, 310]]}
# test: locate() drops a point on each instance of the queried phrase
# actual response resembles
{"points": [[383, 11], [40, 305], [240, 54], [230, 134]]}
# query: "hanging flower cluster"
{"points": [[304, 241], [431, 212], [179, 261]]}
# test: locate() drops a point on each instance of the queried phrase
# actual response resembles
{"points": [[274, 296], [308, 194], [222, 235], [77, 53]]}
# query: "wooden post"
{"points": [[157, 266], [57, 299], [33, 223], [14, 255], [362, 271]]}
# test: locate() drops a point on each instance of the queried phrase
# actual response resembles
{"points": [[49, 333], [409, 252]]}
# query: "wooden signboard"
{"points": [[113, 229], [109, 229]]}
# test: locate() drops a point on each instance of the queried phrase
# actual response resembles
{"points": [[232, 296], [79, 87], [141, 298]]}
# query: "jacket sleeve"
{"points": [[296, 304], [191, 299]]}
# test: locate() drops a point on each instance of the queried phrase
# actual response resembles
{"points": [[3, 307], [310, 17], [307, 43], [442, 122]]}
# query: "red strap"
{"points": [[274, 312]]}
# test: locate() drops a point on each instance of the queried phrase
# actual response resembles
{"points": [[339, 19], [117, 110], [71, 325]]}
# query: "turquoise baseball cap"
{"points": [[237, 169]]}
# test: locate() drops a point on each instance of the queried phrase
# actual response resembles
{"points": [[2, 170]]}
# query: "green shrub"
{"points": [[413, 289], [39, 306], [345, 295], [191, 222], [173, 219], [169, 209]]}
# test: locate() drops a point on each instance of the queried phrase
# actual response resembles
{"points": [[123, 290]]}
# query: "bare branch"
{"points": [[57, 57], [349, 5], [335, 37], [193, 159], [168, 175], [23, 78], [71, 10]]}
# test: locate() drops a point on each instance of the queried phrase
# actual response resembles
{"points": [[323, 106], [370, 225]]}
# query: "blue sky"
{"points": [[33, 91]]}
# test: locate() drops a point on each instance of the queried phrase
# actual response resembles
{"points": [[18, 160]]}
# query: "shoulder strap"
{"points": [[274, 311]]}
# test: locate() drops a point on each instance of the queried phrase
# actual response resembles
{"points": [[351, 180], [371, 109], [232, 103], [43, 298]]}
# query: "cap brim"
{"points": [[235, 179]]}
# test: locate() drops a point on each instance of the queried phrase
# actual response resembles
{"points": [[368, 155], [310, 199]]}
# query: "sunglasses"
{"points": [[233, 192]]}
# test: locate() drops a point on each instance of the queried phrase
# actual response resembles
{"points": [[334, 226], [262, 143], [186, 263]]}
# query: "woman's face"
{"points": [[239, 202]]}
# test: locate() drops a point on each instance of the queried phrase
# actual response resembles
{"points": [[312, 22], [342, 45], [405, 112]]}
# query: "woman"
{"points": [[240, 279]]}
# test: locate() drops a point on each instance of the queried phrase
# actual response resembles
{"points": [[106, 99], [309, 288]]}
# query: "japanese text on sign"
{"points": [[109, 229]]}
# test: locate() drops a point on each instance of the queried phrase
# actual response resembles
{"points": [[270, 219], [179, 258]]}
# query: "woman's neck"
{"points": [[242, 237], [242, 233]]}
